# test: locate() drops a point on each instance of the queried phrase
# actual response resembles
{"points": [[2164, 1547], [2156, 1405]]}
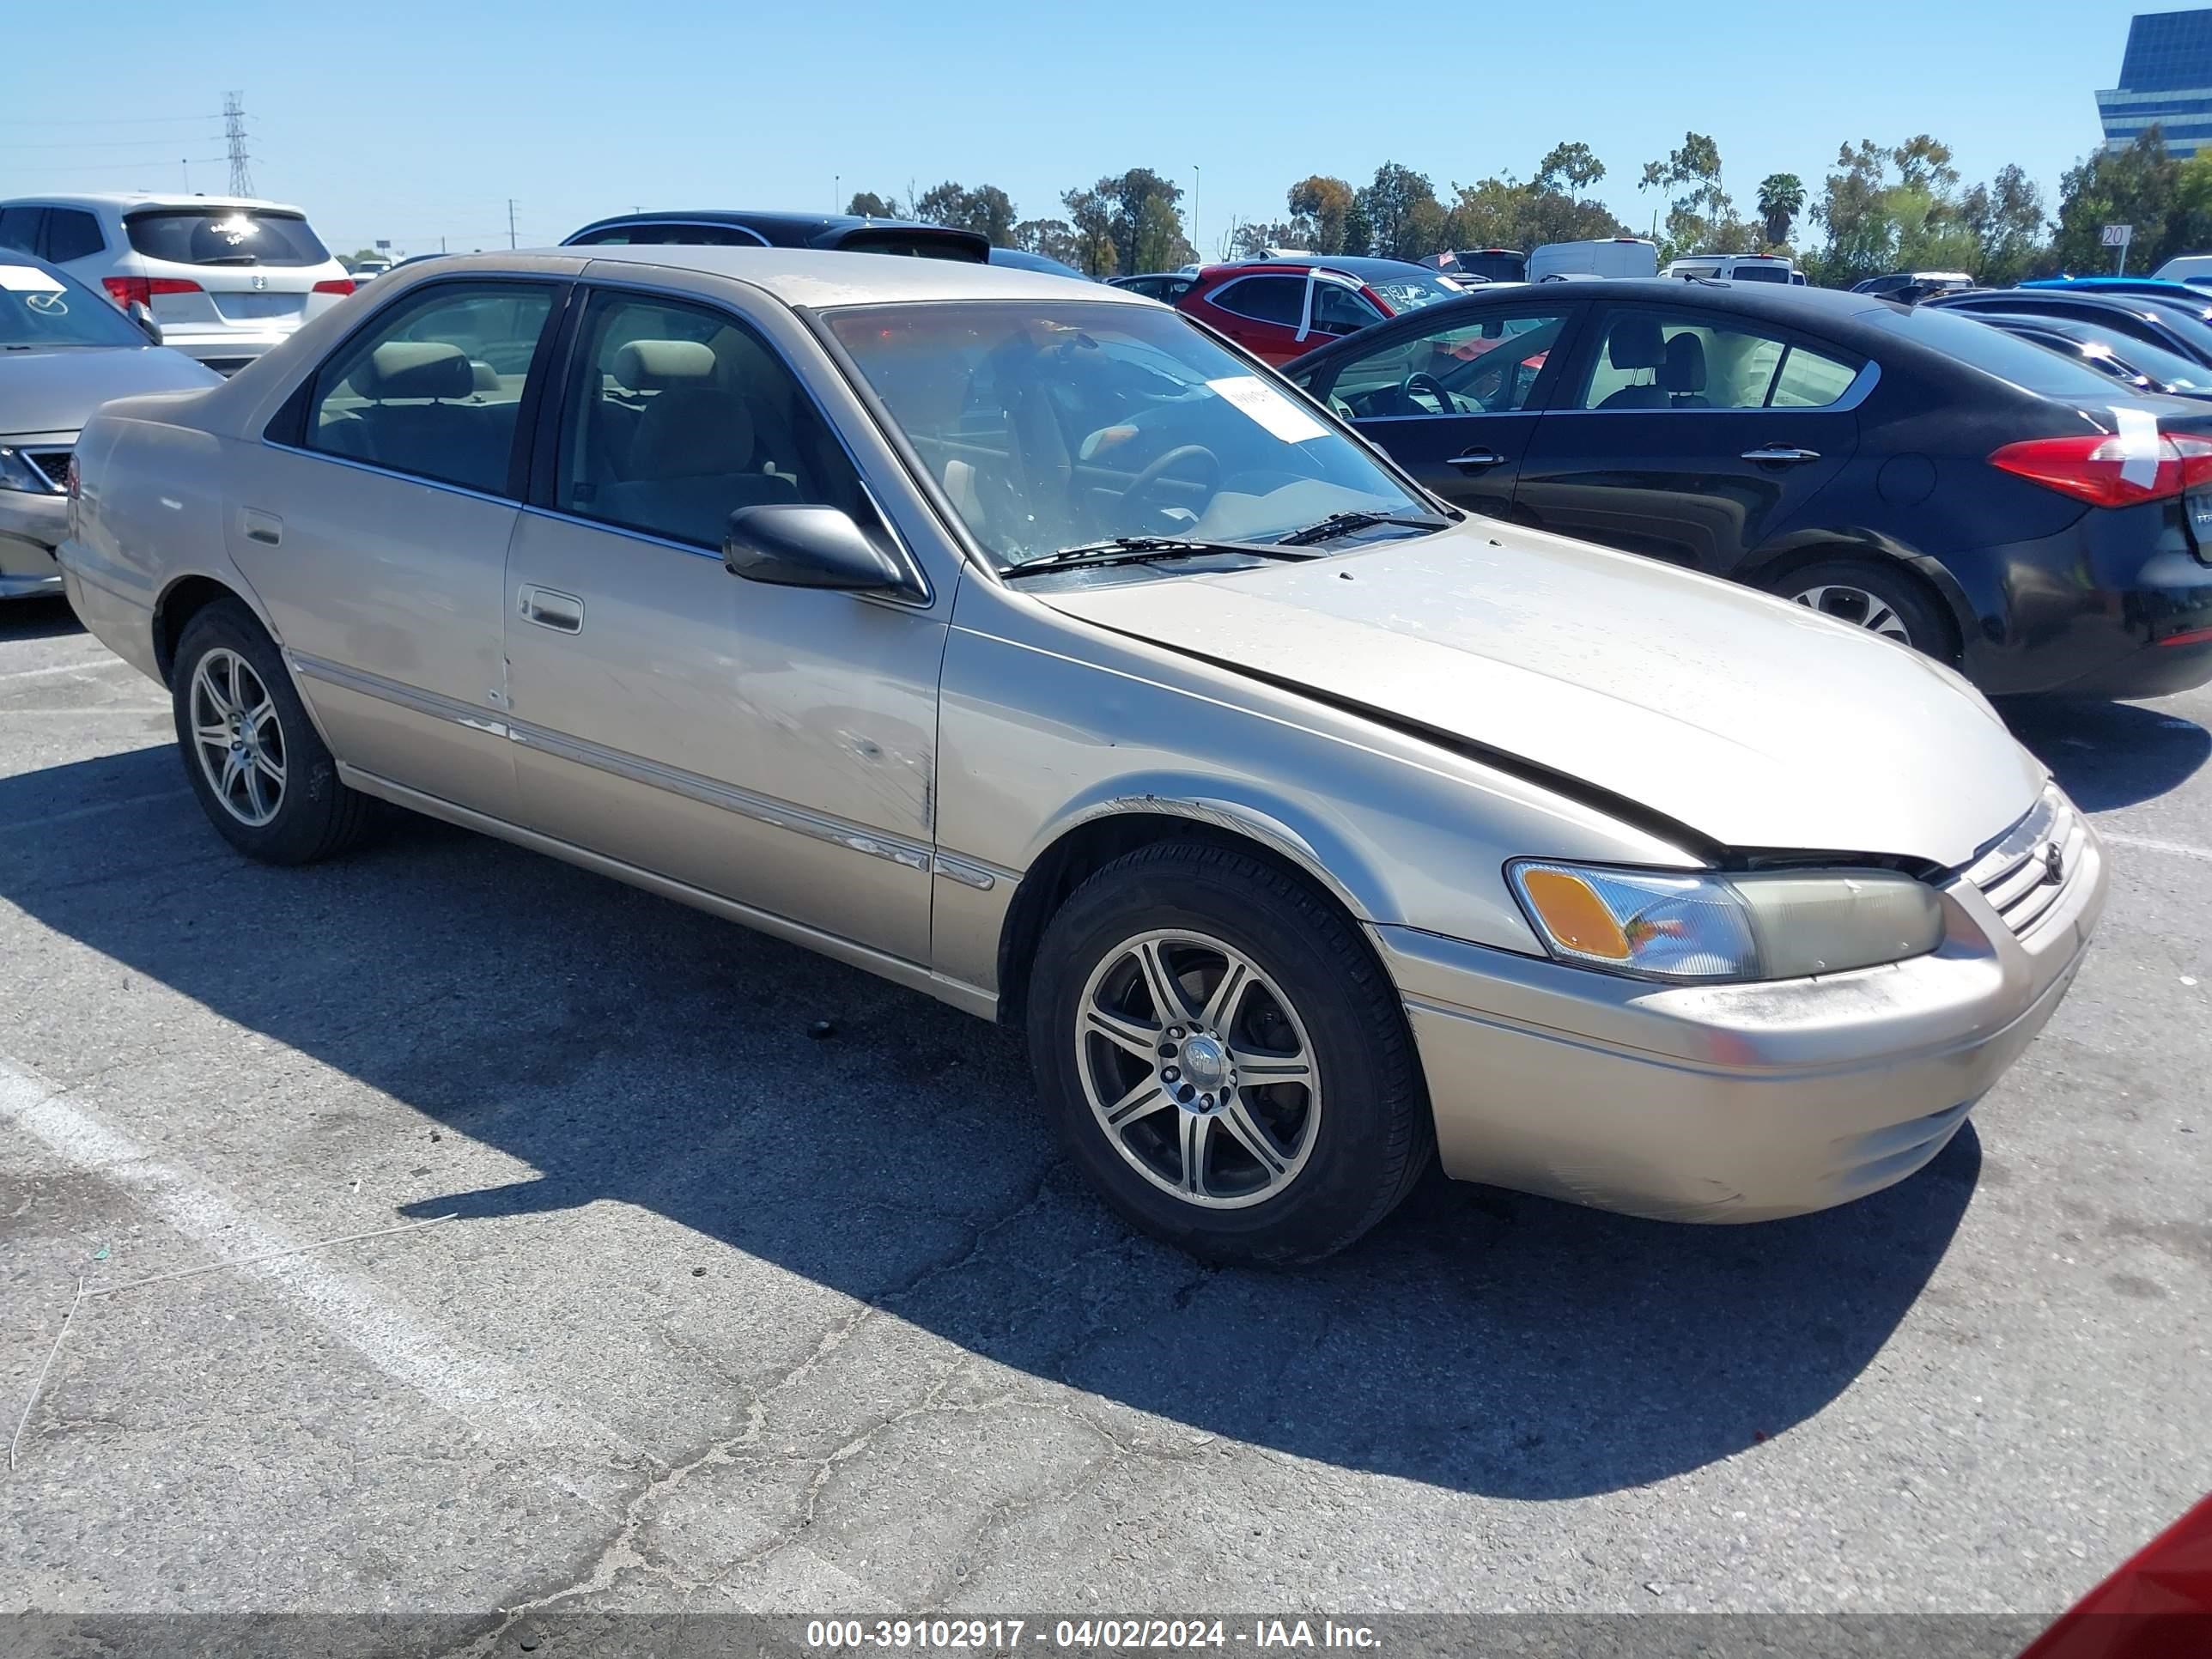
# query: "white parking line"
{"points": [[85, 667], [2152, 844], [436, 1364]]}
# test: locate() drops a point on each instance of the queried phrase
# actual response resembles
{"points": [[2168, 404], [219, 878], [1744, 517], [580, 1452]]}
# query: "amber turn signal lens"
{"points": [[1575, 915]]}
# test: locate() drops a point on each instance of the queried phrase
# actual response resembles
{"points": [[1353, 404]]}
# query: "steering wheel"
{"points": [[1422, 380], [1145, 482]]}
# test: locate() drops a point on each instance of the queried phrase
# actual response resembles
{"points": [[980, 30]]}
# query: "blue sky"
{"points": [[394, 118]]}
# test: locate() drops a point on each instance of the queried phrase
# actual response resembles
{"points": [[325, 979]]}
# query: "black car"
{"points": [[2181, 326], [2136, 363], [1910, 287], [1167, 286], [846, 232], [1938, 481]]}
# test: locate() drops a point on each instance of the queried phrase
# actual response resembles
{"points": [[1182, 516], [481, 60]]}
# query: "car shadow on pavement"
{"points": [[2107, 755], [629, 1050], [37, 619]]}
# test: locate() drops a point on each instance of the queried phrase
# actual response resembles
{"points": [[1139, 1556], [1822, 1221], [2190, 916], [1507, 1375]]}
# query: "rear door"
{"points": [[1456, 399], [373, 523], [1691, 436], [1262, 313]]}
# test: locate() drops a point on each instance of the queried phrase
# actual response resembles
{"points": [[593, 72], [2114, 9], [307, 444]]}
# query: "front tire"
{"points": [[1225, 1057], [261, 772]]}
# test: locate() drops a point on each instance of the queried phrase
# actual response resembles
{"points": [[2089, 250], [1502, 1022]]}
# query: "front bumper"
{"points": [[31, 527], [1738, 1103]]}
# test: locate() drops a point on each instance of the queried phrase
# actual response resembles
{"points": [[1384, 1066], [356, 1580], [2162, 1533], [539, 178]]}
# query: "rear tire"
{"points": [[260, 770], [1199, 970], [1879, 597]]}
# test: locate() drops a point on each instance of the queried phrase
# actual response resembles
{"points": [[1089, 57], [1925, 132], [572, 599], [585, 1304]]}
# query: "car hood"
{"points": [[57, 389], [1756, 723]]}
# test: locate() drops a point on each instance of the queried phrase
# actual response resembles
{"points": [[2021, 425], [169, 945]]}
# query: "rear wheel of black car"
{"points": [[1880, 600]]}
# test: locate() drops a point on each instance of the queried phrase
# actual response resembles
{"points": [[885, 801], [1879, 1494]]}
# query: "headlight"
{"points": [[1670, 925], [17, 473]]}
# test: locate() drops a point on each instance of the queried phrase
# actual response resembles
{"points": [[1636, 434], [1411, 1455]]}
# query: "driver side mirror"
{"points": [[793, 546], [143, 316]]}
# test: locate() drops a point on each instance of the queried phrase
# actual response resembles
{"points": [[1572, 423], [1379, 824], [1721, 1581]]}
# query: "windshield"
{"points": [[1403, 293], [40, 308], [1985, 346], [1064, 423], [224, 236], [2193, 323]]}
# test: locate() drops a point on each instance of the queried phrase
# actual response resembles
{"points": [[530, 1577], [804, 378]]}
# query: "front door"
{"points": [[374, 523], [771, 746], [1689, 437], [1455, 400]]}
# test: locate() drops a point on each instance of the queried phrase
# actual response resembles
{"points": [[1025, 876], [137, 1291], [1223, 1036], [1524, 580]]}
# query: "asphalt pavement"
{"points": [[698, 1310]]}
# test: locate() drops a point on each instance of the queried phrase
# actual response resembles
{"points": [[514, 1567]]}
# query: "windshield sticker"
{"points": [[28, 279], [1269, 407]]}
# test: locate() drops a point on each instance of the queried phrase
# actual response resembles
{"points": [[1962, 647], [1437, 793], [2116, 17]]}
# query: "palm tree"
{"points": [[1781, 199]]}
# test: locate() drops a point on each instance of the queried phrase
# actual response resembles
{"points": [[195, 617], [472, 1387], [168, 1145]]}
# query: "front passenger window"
{"points": [[434, 389], [676, 416]]}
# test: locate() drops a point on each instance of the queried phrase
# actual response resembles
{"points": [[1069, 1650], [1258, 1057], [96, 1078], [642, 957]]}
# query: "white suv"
{"points": [[225, 277]]}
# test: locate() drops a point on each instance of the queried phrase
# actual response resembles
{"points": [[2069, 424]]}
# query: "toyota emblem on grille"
{"points": [[2054, 865]]}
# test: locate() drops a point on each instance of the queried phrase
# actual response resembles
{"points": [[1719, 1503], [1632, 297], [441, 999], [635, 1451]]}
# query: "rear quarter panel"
{"points": [[149, 512]]}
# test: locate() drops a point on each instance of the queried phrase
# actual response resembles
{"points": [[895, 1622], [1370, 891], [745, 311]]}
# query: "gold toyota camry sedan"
{"points": [[1018, 640]]}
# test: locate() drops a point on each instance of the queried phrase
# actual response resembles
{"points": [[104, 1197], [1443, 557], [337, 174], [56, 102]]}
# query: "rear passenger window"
{"points": [[1265, 299], [436, 390], [1653, 360], [71, 234], [677, 416], [18, 228]]}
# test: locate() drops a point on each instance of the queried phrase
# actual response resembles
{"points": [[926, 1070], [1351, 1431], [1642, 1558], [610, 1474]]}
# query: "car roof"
{"points": [[1350, 264], [823, 277], [126, 200], [801, 224]]}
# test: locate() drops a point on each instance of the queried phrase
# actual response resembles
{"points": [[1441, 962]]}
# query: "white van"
{"points": [[1736, 267], [1610, 256], [2187, 268]]}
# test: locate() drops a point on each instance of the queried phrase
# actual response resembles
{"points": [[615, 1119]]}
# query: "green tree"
{"points": [[1319, 206], [2005, 217], [1090, 219], [987, 209], [1405, 219], [1359, 232], [868, 204], [1780, 199], [1140, 218], [1572, 165], [1701, 215], [1055, 238], [2139, 186]]}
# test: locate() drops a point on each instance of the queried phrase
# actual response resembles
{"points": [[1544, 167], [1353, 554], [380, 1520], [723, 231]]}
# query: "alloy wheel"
{"points": [[237, 737], [1198, 1069], [1858, 607]]}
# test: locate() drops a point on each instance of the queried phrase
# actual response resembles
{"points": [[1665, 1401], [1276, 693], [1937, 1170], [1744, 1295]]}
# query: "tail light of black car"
{"points": [[2123, 468]]}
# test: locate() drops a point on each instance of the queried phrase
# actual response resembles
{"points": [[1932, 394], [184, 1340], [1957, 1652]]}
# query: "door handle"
{"points": [[264, 527], [1781, 454], [1474, 459], [561, 612]]}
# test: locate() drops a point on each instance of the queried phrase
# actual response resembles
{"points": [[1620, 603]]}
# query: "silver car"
{"points": [[1020, 641], [64, 351]]}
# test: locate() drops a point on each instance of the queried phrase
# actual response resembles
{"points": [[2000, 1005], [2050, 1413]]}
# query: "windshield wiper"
{"points": [[1343, 523], [1143, 550]]}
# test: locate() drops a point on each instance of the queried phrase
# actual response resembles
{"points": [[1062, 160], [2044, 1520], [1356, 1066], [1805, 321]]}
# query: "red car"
{"points": [[1283, 308]]}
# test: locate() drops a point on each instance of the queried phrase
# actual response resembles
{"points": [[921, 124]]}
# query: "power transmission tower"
{"points": [[233, 128]]}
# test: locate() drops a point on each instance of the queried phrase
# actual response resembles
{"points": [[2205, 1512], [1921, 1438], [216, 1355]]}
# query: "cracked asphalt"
{"points": [[696, 1311]]}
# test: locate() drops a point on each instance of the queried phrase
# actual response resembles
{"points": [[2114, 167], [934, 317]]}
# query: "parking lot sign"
{"points": [[2119, 236]]}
